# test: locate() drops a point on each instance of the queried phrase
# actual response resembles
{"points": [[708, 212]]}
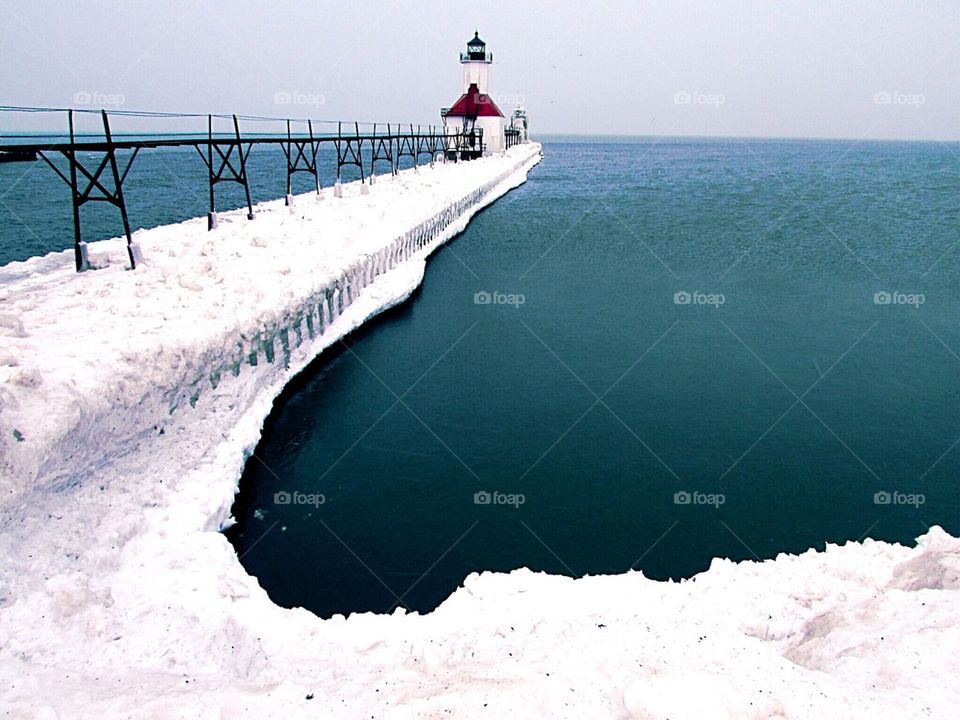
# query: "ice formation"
{"points": [[130, 400]]}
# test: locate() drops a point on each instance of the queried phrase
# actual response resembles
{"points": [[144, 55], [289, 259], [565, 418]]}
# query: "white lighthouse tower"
{"points": [[476, 63], [475, 109]]}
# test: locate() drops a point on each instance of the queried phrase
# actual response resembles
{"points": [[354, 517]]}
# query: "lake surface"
{"points": [[701, 366]]}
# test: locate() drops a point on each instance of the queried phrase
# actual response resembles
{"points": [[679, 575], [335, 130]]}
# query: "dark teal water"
{"points": [[798, 399]]}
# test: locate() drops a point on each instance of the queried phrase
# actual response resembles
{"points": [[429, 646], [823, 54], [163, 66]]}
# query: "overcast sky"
{"points": [[678, 67]]}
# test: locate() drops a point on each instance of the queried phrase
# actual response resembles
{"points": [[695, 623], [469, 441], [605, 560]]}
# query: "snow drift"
{"points": [[129, 402]]}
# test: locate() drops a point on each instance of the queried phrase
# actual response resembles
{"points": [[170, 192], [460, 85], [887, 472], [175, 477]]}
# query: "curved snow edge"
{"points": [[390, 278]]}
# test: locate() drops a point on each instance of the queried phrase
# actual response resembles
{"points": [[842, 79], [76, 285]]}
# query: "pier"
{"points": [[225, 154]]}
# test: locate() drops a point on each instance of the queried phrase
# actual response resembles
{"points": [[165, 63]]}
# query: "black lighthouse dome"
{"points": [[476, 48]]}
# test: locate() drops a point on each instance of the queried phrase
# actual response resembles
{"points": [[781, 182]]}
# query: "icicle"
{"points": [[285, 346], [326, 312], [268, 352], [297, 329], [237, 359]]}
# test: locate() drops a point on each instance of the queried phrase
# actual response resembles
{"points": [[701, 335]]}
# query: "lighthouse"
{"points": [[476, 63], [476, 109]]}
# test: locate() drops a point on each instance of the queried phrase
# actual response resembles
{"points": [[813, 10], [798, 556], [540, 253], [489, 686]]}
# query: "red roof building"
{"points": [[473, 104]]}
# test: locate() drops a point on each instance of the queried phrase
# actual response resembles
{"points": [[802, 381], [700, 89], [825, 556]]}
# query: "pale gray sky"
{"points": [[818, 68]]}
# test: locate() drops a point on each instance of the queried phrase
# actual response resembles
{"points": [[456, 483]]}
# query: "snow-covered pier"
{"points": [[129, 401], [95, 363]]}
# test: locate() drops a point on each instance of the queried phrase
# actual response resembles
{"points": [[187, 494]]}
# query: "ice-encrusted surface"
{"points": [[119, 598]]}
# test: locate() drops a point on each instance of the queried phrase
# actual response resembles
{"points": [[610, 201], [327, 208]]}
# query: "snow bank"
{"points": [[136, 397]]}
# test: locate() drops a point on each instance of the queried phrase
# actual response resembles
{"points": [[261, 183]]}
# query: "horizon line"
{"points": [[825, 138]]}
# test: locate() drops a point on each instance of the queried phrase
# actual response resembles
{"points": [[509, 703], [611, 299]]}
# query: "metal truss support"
{"points": [[91, 188], [225, 170], [406, 146], [381, 149], [350, 152], [426, 144], [301, 157]]}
